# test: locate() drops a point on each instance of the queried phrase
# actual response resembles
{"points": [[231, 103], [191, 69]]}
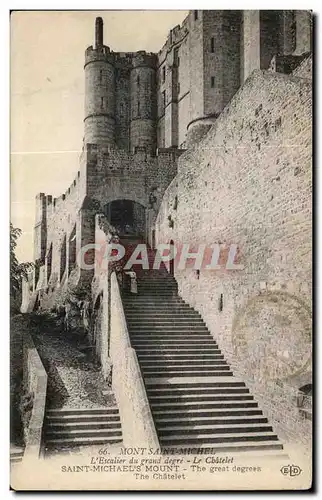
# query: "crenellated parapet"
{"points": [[146, 59], [102, 54], [174, 38]]}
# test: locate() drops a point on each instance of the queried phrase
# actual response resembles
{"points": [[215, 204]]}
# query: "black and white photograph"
{"points": [[161, 250]]}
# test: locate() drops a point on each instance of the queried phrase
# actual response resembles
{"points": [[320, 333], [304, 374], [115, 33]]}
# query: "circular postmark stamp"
{"points": [[271, 336]]}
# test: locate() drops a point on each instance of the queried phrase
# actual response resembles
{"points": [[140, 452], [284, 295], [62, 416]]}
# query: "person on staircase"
{"points": [[132, 281]]}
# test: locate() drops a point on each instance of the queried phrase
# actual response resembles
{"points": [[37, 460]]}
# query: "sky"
{"points": [[47, 96]]}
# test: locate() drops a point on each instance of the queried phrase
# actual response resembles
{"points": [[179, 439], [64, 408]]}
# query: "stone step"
{"points": [[225, 448], [81, 411], [135, 299], [159, 288], [203, 398], [181, 357], [16, 456], [170, 339], [148, 287], [156, 311], [151, 278], [179, 340], [156, 280], [157, 293], [196, 405], [144, 305], [249, 429], [194, 385], [224, 420], [132, 299], [190, 373], [198, 391], [97, 417], [152, 300], [156, 287], [174, 350], [174, 329], [94, 424], [184, 412], [171, 329], [181, 337], [181, 439], [167, 344], [192, 362], [161, 293], [72, 432], [82, 441], [16, 452], [158, 305], [166, 316], [171, 321], [185, 368]]}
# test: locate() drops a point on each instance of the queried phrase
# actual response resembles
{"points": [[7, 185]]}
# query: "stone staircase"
{"points": [[16, 454], [68, 428], [195, 399]]}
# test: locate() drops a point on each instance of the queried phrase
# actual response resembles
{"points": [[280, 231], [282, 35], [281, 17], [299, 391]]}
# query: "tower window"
{"points": [[212, 82], [138, 81], [212, 45], [139, 110], [195, 14], [101, 76], [176, 57], [163, 99], [221, 303], [178, 88], [163, 74], [102, 102], [121, 109]]}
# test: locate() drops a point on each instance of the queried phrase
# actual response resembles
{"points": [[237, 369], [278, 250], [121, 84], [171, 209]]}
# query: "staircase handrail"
{"points": [[35, 379], [138, 427]]}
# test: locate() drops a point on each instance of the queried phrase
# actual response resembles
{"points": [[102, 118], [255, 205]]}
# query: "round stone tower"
{"points": [[143, 101], [99, 91]]}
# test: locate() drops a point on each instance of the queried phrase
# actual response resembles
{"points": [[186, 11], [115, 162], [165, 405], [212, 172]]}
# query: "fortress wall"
{"points": [[105, 175], [62, 217], [167, 213], [113, 174], [304, 70], [249, 182]]}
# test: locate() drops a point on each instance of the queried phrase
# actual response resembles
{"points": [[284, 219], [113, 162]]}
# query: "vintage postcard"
{"points": [[161, 250]]}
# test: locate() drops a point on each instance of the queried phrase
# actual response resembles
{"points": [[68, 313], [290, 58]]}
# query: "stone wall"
{"points": [[105, 175], [35, 383], [250, 43], [115, 174], [136, 418], [165, 231], [304, 70], [173, 86], [101, 294], [249, 183]]}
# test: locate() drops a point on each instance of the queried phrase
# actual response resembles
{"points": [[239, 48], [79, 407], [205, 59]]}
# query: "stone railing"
{"points": [[35, 384], [136, 418]]}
